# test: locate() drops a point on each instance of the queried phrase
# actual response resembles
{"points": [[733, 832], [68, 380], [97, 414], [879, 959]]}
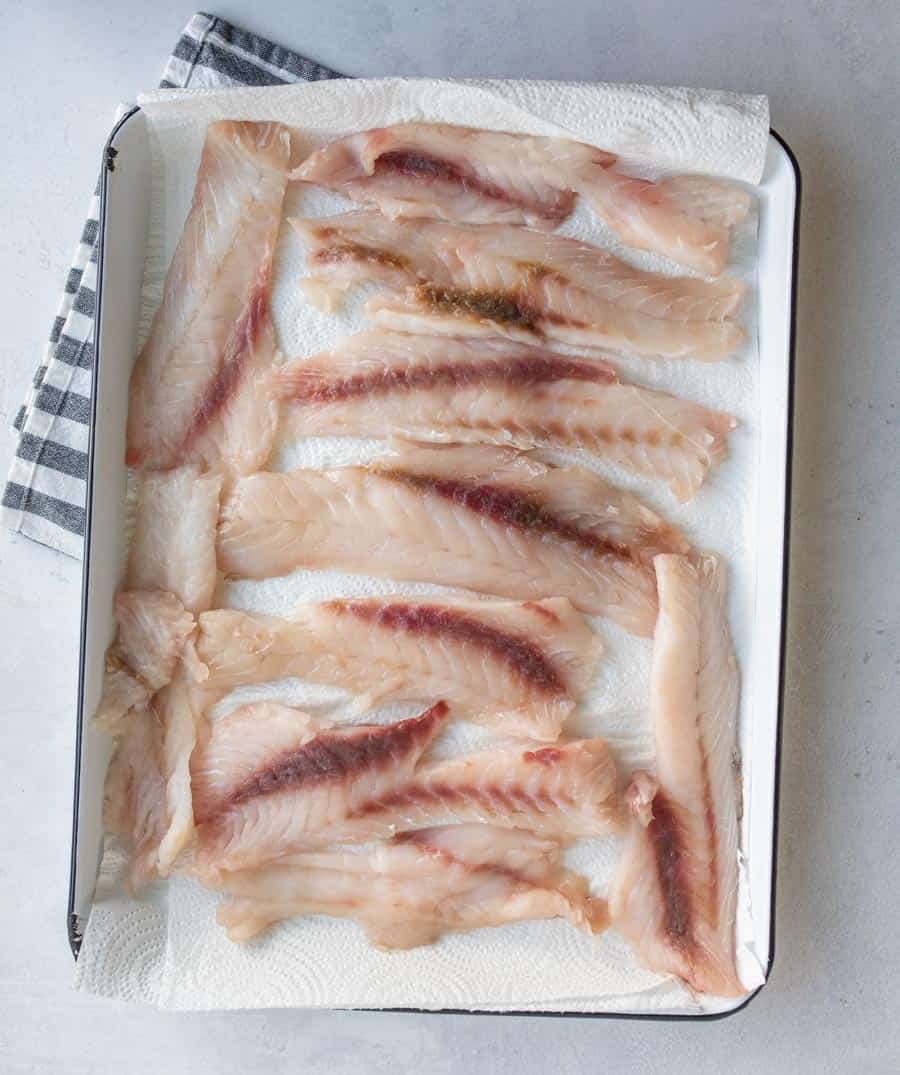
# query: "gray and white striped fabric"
{"points": [[45, 493]]}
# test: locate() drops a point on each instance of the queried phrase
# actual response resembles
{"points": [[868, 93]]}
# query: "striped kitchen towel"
{"points": [[44, 497]]}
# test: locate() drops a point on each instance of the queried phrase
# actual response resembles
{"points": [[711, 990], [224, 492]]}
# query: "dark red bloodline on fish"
{"points": [[491, 797], [513, 372], [439, 169], [509, 508], [239, 348], [422, 838], [669, 852], [526, 659], [331, 758]]}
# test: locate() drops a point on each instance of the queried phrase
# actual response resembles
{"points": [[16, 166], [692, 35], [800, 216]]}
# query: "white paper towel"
{"points": [[166, 948]]}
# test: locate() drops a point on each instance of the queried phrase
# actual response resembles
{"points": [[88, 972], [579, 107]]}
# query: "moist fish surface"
{"points": [[416, 887], [517, 667], [476, 176], [517, 282], [269, 777], [439, 388], [147, 801], [199, 390], [675, 895], [475, 516], [271, 781], [173, 548]]}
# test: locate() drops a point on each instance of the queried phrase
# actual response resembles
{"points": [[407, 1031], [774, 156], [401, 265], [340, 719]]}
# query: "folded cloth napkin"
{"points": [[44, 497]]}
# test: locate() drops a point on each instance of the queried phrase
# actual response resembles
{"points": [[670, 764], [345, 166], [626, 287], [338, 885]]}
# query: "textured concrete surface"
{"points": [[829, 67]]}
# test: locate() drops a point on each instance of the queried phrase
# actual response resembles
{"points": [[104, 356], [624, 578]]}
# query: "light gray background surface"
{"points": [[830, 69]]}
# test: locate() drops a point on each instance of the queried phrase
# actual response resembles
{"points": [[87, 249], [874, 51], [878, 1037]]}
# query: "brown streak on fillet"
{"points": [[524, 658], [504, 307], [669, 852], [429, 168], [510, 508], [350, 251]]}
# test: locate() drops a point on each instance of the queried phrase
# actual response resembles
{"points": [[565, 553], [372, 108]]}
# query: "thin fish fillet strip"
{"points": [[270, 782], [437, 388], [147, 800], [268, 778], [512, 526], [675, 895], [416, 887], [199, 389], [465, 174], [517, 282], [515, 667]]}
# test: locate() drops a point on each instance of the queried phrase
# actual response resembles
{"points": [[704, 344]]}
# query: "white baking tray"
{"points": [[125, 209]]}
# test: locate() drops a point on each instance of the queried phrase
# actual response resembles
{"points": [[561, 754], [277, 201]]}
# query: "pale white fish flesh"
{"points": [[173, 547], [199, 390], [147, 799], [122, 693], [525, 284], [154, 627], [488, 519], [515, 667], [416, 887], [439, 388], [268, 778], [477, 176], [675, 896], [269, 782]]}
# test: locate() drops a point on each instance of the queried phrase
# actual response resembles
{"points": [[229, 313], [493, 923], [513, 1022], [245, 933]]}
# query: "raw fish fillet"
{"points": [[122, 693], [154, 627], [269, 778], [173, 547], [199, 390], [270, 782], [476, 176], [155, 633], [675, 895], [148, 793], [516, 667], [496, 278], [488, 519], [380, 383], [417, 887]]}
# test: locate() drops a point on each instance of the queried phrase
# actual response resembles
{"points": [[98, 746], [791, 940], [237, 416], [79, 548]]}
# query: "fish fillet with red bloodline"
{"points": [[438, 388], [516, 667], [517, 282], [199, 390], [269, 778], [416, 887], [675, 895], [475, 516], [269, 782], [476, 176]]}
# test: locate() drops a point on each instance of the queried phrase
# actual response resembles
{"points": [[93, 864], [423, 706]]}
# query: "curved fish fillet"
{"points": [[465, 174], [270, 781], [199, 388], [269, 778], [516, 667], [379, 383], [675, 894], [417, 887], [518, 282], [488, 519]]}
